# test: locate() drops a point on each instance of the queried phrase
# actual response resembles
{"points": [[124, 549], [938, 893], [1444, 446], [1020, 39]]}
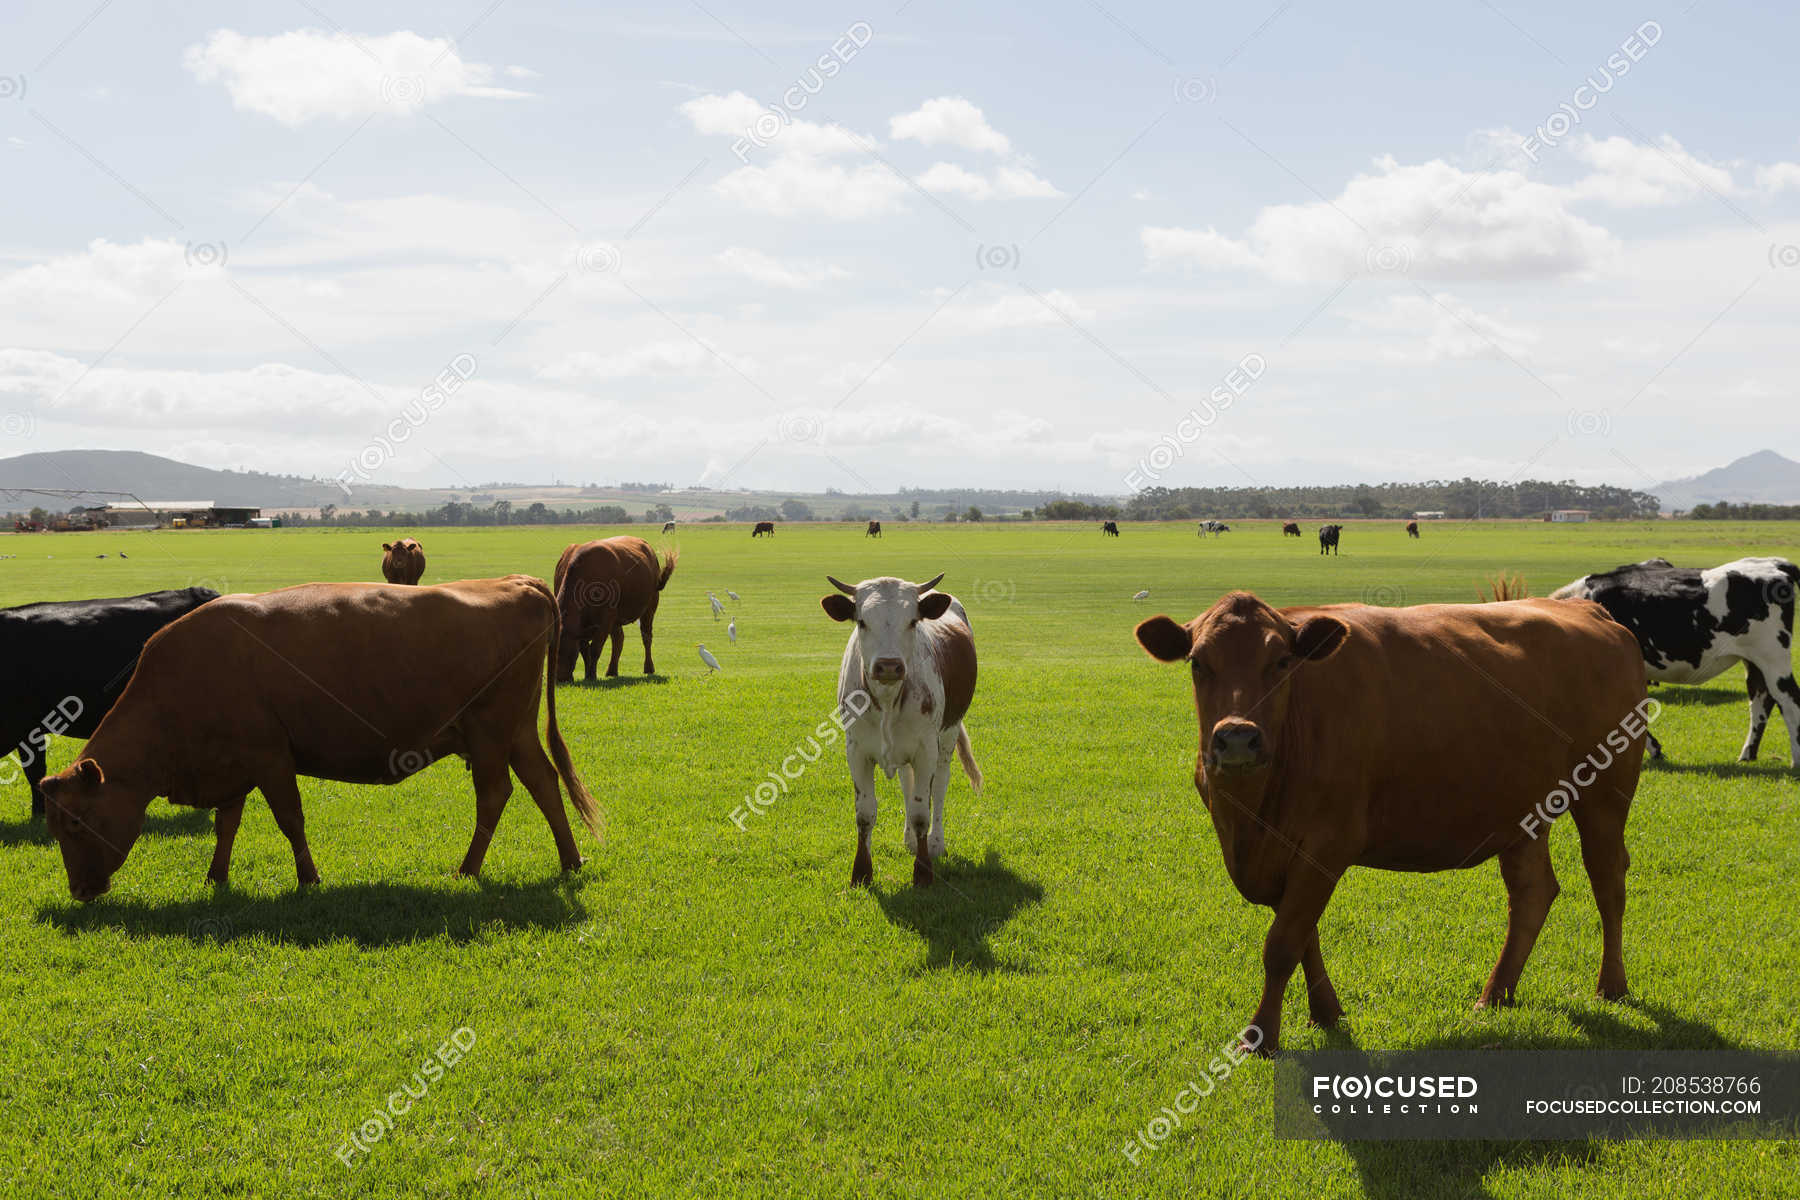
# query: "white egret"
{"points": [[716, 606], [1143, 595], [731, 630], [732, 594], [707, 658]]}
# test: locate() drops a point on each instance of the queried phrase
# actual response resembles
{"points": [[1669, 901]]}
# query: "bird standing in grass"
{"points": [[707, 658], [716, 606], [732, 594], [1143, 595], [731, 630]]}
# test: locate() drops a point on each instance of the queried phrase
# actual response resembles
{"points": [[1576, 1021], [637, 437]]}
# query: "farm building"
{"points": [[179, 514], [1436, 515], [1567, 516]]}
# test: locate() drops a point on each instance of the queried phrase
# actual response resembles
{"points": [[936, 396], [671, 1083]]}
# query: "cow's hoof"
{"points": [[862, 871], [1260, 1050], [571, 865], [922, 876], [217, 880], [1326, 1020], [311, 883], [1612, 992]]}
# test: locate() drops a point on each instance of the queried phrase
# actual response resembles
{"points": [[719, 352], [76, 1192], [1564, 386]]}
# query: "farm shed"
{"points": [[1567, 516], [193, 514]]}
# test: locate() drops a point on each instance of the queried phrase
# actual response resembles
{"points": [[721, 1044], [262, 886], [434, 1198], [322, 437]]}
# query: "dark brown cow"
{"points": [[1410, 739], [874, 529], [1412, 529], [601, 587], [402, 561], [248, 692], [1290, 529], [763, 527]]}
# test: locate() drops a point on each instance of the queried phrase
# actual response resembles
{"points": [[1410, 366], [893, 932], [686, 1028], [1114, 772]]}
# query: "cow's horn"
{"points": [[926, 587], [843, 587]]}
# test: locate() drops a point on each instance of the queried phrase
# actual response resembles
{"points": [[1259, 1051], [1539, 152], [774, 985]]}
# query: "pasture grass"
{"points": [[713, 1011]]}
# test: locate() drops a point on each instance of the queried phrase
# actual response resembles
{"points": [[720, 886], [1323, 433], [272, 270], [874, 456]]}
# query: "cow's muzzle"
{"points": [[88, 892], [1236, 745], [887, 670]]}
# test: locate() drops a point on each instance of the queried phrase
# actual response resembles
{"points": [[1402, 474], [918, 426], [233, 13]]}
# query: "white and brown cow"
{"points": [[1693, 624], [912, 655]]}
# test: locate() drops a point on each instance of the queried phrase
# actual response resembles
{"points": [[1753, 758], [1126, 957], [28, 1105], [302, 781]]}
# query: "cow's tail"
{"points": [[668, 567], [559, 749], [966, 753]]}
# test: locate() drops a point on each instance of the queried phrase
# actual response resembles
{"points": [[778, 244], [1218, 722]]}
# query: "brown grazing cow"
{"points": [[763, 527], [1412, 529], [601, 587], [402, 561], [1410, 739], [250, 691]]}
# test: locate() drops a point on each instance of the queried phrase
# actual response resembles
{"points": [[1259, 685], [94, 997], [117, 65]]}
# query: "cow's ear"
{"points": [[1164, 639], [89, 773], [933, 605], [1319, 638], [387, 545], [838, 608]]}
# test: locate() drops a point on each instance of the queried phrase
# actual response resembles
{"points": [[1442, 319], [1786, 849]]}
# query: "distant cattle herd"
{"points": [[203, 699]]}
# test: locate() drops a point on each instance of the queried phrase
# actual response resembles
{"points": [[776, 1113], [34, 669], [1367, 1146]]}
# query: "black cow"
{"points": [[763, 527], [874, 529], [1692, 624], [1412, 529], [1107, 527], [1328, 538], [1290, 530], [68, 661]]}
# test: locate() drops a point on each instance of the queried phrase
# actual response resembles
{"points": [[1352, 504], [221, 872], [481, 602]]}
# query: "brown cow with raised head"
{"points": [[601, 587], [402, 561], [249, 692], [1429, 738]]}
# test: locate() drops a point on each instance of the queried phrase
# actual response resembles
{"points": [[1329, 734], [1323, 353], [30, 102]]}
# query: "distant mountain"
{"points": [[1764, 477], [150, 477]]}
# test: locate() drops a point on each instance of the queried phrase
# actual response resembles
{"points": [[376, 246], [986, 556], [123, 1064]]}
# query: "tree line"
{"points": [[1461, 499]]}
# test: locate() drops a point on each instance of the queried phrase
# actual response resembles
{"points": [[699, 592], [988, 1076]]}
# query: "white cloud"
{"points": [[1778, 177], [949, 120], [106, 273], [739, 116], [754, 264], [1628, 174], [271, 396], [1431, 220], [948, 178], [1015, 310], [656, 360], [1017, 181], [307, 74], [795, 186], [1441, 327]]}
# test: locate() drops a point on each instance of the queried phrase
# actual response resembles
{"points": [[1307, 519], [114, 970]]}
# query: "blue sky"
{"points": [[1080, 245]]}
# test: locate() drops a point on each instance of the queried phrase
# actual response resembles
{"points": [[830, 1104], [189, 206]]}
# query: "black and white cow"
{"points": [[1207, 527], [1692, 624], [67, 661]]}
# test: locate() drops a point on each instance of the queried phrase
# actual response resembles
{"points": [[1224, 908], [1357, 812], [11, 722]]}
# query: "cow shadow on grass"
{"points": [[164, 821], [369, 915], [961, 910], [1403, 1170], [607, 683], [1762, 768]]}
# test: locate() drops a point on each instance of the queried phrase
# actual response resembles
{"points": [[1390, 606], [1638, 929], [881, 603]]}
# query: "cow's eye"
{"points": [[915, 621], [1284, 662]]}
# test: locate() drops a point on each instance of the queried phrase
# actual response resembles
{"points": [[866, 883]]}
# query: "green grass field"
{"points": [[708, 1010]]}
